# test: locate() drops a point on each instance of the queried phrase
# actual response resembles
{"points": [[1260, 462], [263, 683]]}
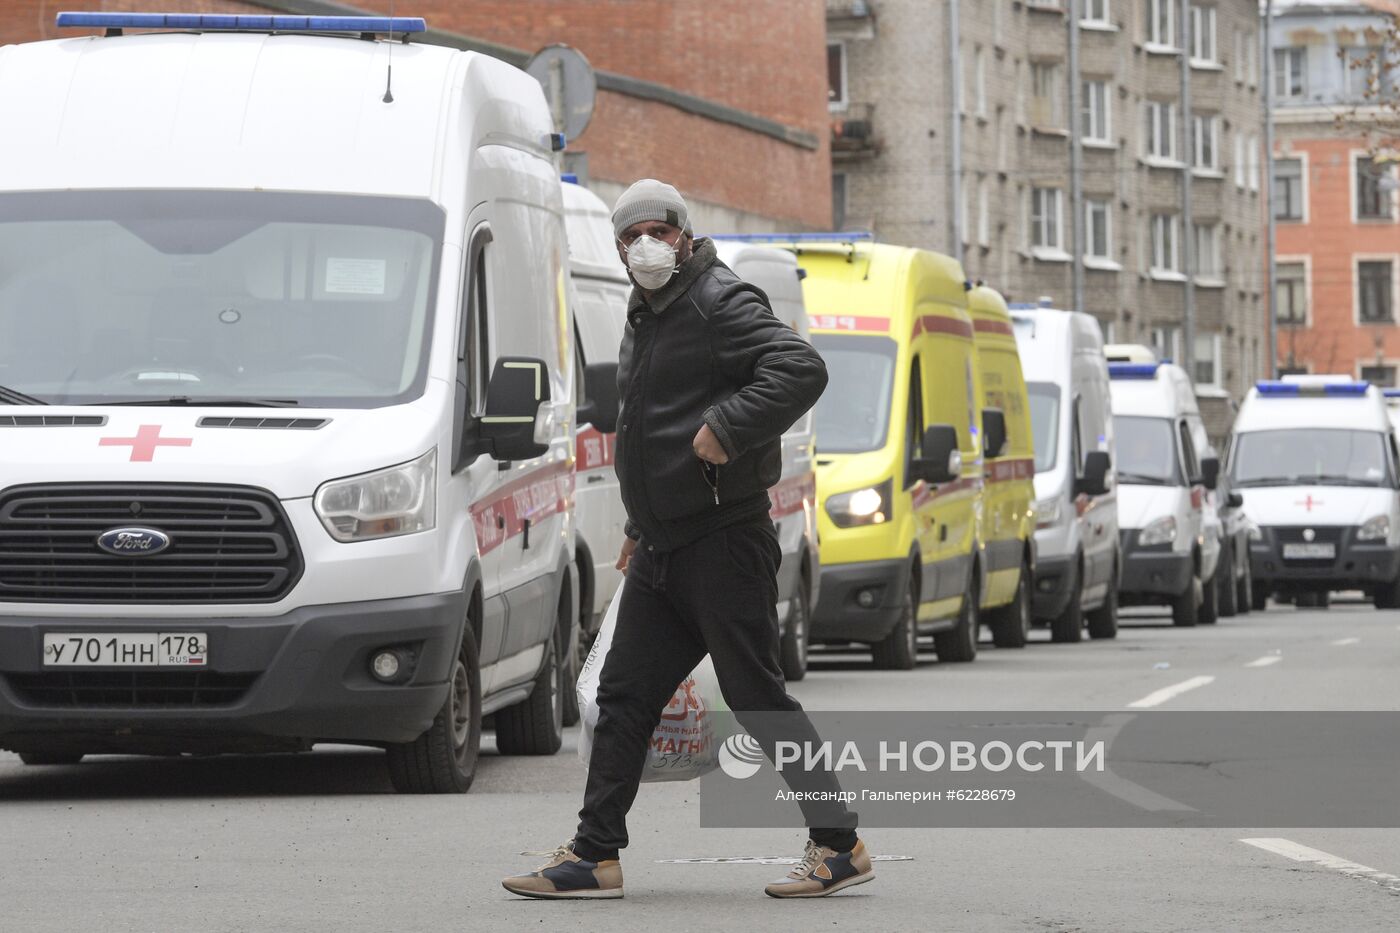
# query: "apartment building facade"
{"points": [[1335, 189], [964, 145]]}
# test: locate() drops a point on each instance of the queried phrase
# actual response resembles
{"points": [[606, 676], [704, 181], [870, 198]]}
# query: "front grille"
{"points": [[229, 544], [1321, 533], [131, 689]]}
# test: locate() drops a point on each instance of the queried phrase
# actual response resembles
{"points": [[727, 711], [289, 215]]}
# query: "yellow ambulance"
{"points": [[900, 451]]}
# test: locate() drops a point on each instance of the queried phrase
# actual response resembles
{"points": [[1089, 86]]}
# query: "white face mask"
{"points": [[652, 261]]}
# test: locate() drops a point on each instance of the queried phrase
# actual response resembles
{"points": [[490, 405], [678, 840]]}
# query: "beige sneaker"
{"points": [[824, 871], [566, 876]]}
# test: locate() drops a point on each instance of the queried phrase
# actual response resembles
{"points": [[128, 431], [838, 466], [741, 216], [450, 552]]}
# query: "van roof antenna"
{"points": [[389, 77]]}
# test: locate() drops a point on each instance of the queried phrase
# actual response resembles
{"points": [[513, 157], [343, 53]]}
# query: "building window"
{"points": [[1045, 95], [1362, 75], [1098, 230], [1251, 155], [1166, 343], [1097, 126], [979, 81], [1207, 361], [1161, 131], [1239, 55], [1290, 73], [1374, 295], [1095, 12], [838, 201], [836, 97], [1166, 257], [1161, 23], [1375, 189], [1208, 264], [1206, 137], [984, 224], [1045, 219], [1379, 375], [965, 232], [1203, 34], [1288, 189], [1292, 298], [1239, 160]]}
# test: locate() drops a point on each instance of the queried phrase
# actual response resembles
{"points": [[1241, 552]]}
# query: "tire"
{"points": [[1388, 595], [1103, 621], [959, 644], [1227, 594], [1186, 608], [443, 759], [1068, 626], [899, 650], [535, 725], [1244, 595], [1321, 600], [1011, 624], [50, 758], [797, 633], [1258, 598], [573, 650], [1210, 600]]}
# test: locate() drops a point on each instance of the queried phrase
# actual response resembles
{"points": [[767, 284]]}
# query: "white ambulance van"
{"points": [[1168, 557], [1392, 407], [288, 390], [1316, 460], [1076, 536]]}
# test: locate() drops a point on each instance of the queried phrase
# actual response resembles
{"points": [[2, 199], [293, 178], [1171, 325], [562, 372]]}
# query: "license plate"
{"points": [[1323, 550], [126, 649]]}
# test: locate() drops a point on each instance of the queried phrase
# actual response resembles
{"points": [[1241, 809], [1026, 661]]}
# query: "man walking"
{"points": [[709, 381]]}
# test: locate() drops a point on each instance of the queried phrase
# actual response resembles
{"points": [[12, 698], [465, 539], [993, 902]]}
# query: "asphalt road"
{"points": [[319, 842]]}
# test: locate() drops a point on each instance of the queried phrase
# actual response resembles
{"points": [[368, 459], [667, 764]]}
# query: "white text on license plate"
{"points": [[1322, 550], [126, 649]]}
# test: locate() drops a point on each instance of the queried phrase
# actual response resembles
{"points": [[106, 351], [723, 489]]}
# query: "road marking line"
{"points": [[1342, 642], [1301, 853], [1158, 697], [1265, 661]]}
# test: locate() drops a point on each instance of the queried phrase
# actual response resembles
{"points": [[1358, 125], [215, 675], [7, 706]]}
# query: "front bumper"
{"points": [[1151, 573], [1053, 577], [1357, 564], [286, 681], [839, 617]]}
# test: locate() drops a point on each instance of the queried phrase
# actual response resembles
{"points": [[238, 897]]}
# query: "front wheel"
{"points": [[1011, 625], [1186, 608], [1103, 621], [1244, 596], [899, 650], [959, 644], [1227, 598], [443, 759], [793, 650], [1210, 604], [1068, 626], [1258, 597]]}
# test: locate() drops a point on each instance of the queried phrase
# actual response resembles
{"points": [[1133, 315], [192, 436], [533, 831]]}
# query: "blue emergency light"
{"points": [[213, 22], [1312, 391], [569, 178], [1133, 370], [840, 237], [1391, 393], [1031, 305]]}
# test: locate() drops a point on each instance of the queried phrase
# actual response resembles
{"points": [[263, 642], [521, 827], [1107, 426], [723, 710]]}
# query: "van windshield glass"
{"points": [[200, 297], [853, 414], [1310, 457], [1146, 451], [1045, 422]]}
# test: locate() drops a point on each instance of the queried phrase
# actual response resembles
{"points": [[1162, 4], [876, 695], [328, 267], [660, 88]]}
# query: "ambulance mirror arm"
{"points": [[601, 405]]}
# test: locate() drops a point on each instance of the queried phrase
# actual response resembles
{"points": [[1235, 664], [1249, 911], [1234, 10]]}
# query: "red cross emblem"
{"points": [[144, 444], [1309, 502]]}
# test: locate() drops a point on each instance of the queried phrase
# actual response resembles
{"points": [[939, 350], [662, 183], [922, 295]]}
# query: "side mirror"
{"points": [[942, 461], [519, 388], [1235, 500], [601, 404], [993, 432], [1210, 472], [1094, 482]]}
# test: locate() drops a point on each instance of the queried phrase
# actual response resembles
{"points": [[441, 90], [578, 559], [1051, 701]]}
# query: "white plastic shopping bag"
{"points": [[683, 746]]}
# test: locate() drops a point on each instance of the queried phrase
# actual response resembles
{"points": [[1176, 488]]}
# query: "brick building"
{"points": [[1335, 195], [725, 98], [1009, 197]]}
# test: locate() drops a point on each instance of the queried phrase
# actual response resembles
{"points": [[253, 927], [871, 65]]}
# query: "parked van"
{"points": [[288, 397], [1162, 482], [1392, 407], [1006, 524], [1315, 458], [898, 450], [1078, 555]]}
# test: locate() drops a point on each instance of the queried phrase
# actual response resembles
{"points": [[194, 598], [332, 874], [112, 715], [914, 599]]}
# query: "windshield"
{"points": [[1311, 457], [1045, 422], [1146, 451], [853, 414], [145, 297]]}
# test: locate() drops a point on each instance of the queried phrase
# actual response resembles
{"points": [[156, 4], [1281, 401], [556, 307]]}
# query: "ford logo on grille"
{"points": [[133, 542]]}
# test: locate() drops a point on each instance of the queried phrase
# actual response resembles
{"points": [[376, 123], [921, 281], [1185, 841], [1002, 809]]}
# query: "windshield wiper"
{"points": [[14, 397], [1142, 479], [207, 402], [1271, 481], [1338, 479]]}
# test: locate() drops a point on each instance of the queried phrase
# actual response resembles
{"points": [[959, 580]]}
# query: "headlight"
{"points": [[869, 506], [1047, 512], [399, 500], [1374, 529], [1162, 531]]}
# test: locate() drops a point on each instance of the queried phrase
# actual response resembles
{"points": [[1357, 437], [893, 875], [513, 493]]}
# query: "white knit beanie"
{"points": [[647, 200]]}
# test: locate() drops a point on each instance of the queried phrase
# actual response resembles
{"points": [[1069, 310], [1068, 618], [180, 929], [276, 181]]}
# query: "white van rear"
{"points": [[288, 401]]}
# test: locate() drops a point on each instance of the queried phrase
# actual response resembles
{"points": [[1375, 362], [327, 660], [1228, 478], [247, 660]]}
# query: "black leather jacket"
{"points": [[706, 349]]}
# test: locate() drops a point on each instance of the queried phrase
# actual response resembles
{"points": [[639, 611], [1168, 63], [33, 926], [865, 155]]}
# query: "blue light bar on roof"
{"points": [[843, 237], [1132, 370], [246, 23], [1041, 305], [1313, 391], [1392, 393]]}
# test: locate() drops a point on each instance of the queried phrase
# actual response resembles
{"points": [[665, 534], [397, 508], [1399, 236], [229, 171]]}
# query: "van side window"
{"points": [[1188, 453], [1394, 461], [580, 362], [914, 429], [1076, 441], [476, 337]]}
